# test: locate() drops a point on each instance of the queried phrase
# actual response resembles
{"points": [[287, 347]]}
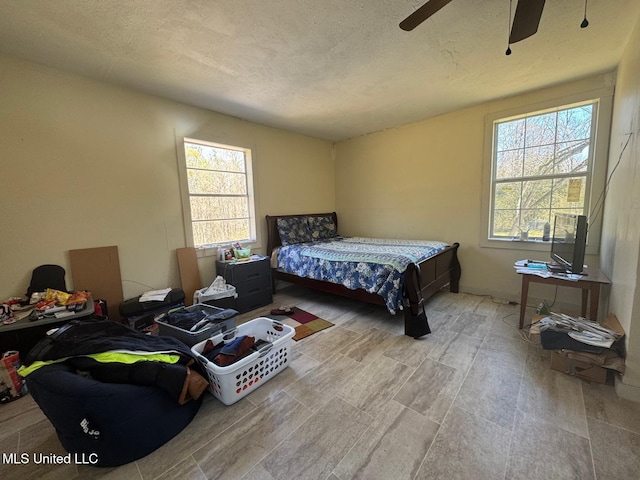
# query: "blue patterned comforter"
{"points": [[373, 264]]}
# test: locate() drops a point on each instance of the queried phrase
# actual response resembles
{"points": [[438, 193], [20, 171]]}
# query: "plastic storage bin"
{"points": [[231, 383], [206, 294], [224, 323]]}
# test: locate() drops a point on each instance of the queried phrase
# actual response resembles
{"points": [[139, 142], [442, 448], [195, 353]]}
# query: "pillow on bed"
{"points": [[294, 230], [322, 227]]}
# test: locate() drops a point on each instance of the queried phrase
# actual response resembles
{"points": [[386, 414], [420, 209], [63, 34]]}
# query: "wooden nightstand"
{"points": [[252, 280]]}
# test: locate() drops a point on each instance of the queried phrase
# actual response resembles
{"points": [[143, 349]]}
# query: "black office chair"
{"points": [[47, 276]]}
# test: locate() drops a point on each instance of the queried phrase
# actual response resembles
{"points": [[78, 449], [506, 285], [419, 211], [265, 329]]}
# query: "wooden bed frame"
{"points": [[422, 279]]}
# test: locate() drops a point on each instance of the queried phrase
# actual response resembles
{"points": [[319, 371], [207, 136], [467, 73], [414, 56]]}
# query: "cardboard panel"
{"points": [[98, 270], [189, 272]]}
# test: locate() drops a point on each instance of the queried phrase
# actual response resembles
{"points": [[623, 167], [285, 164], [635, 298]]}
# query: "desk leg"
{"points": [[585, 296], [523, 298], [594, 301]]}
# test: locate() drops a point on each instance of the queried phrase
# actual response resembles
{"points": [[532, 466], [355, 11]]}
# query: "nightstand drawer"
{"points": [[254, 285], [235, 273], [253, 301]]}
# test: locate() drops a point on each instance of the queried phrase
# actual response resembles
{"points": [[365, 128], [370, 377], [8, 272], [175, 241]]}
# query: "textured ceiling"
{"points": [[332, 69]]}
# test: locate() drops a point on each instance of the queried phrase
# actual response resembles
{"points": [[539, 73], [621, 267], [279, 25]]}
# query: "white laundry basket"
{"points": [[231, 383]]}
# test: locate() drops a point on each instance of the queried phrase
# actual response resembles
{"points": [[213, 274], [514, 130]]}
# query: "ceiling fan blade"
{"points": [[421, 14], [526, 19]]}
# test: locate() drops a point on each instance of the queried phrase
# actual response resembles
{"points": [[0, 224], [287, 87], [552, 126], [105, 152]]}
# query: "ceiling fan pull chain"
{"points": [[585, 22], [508, 52]]}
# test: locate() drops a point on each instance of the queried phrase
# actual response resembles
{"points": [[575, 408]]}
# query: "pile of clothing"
{"points": [[227, 354]]}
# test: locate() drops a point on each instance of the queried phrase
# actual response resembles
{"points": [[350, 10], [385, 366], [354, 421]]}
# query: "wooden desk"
{"points": [[590, 285]]}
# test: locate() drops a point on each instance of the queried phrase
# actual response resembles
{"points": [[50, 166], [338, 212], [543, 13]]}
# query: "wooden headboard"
{"points": [[273, 236]]}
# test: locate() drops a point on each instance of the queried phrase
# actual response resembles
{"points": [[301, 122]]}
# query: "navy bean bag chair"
{"points": [[109, 424]]}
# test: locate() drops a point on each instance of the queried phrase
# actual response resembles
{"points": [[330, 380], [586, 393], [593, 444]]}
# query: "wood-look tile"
{"points": [[440, 321], [376, 318], [19, 414], [369, 345], [213, 418], [124, 472], [487, 307], [603, 404], [552, 396], [410, 351], [187, 469], [299, 366], [431, 389], [244, 444], [490, 389], [466, 447], [616, 452], [314, 449], [257, 473], [392, 448], [319, 386], [505, 323], [35, 441], [326, 343], [372, 388], [455, 349], [472, 324], [452, 303], [542, 450], [512, 350]]}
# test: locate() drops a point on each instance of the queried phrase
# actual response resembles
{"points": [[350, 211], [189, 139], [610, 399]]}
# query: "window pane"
{"points": [[510, 135], [505, 223], [211, 232], [572, 157], [536, 194], [533, 221], [575, 123], [214, 158], [507, 195], [541, 130], [569, 193], [509, 164], [204, 181], [538, 161], [219, 208]]}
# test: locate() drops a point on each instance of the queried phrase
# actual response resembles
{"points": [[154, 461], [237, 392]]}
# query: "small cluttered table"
{"points": [[31, 323], [589, 281]]}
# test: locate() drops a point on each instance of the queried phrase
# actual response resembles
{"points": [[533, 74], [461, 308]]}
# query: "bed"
{"points": [[306, 249]]}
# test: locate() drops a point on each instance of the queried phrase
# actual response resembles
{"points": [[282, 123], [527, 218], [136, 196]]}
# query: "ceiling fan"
{"points": [[525, 20]]}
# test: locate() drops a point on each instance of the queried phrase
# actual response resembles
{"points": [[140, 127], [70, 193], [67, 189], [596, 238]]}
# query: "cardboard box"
{"points": [[584, 370]]}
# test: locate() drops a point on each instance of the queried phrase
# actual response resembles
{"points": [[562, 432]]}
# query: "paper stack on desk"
{"points": [[155, 295], [538, 268]]}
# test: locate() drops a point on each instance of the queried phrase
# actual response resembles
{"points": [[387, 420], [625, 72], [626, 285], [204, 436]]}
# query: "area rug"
{"points": [[305, 323]]}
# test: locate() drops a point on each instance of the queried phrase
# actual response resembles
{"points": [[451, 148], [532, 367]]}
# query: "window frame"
{"points": [[601, 123], [212, 249]]}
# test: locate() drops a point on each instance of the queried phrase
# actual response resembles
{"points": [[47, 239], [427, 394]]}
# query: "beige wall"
{"points": [[424, 180], [621, 237], [85, 164]]}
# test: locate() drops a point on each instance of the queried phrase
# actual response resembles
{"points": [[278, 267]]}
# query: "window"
{"points": [[218, 181], [542, 164]]}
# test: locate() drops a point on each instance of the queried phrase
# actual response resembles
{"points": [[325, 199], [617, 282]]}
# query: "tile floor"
{"points": [[361, 400]]}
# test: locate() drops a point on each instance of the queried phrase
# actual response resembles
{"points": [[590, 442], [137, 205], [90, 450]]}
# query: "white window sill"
{"points": [[212, 250], [527, 245]]}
